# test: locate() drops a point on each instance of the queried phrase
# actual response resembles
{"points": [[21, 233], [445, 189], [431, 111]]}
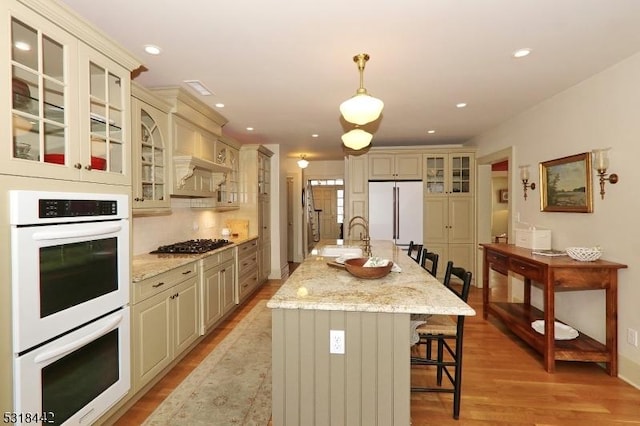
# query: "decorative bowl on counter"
{"points": [[356, 268], [584, 254]]}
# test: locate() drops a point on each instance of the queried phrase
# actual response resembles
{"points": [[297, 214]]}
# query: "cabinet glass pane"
{"points": [[52, 59], [116, 153], [115, 91], [97, 82], [25, 138], [53, 101], [24, 42], [54, 143], [25, 88]]}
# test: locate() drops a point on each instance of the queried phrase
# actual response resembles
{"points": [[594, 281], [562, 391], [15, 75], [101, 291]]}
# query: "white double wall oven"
{"points": [[70, 303]]}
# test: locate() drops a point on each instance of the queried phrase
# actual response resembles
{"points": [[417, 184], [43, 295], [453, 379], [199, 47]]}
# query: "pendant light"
{"points": [[302, 162], [356, 139], [361, 108]]}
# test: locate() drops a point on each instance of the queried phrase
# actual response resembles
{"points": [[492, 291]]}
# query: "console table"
{"points": [[553, 274]]}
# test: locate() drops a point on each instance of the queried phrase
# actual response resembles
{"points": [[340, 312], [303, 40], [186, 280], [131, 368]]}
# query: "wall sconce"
{"points": [[302, 162], [601, 164], [524, 176]]}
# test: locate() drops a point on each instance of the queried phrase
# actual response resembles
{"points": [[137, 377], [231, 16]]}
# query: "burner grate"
{"points": [[192, 246]]}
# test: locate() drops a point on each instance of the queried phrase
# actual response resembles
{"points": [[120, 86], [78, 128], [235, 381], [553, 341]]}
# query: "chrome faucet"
{"points": [[365, 238]]}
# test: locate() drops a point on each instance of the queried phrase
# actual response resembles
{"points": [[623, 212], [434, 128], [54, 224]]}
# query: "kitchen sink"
{"points": [[340, 250]]}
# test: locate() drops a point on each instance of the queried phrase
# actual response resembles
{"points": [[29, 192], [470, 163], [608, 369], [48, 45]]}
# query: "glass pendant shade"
{"points": [[361, 109], [302, 163], [356, 139]]}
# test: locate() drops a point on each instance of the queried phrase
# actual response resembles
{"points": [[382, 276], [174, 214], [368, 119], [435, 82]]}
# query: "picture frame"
{"points": [[566, 184], [503, 195]]}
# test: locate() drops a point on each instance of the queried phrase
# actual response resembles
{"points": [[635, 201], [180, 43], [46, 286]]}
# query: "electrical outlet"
{"points": [[632, 337], [336, 341]]}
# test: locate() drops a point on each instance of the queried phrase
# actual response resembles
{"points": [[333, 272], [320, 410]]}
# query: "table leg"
{"points": [[527, 292], [549, 327], [611, 292], [485, 286]]}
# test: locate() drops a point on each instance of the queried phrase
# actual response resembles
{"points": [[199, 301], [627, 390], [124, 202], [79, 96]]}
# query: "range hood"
{"points": [[197, 177]]}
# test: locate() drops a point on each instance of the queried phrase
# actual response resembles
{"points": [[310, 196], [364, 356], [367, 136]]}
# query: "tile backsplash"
{"points": [[184, 223]]}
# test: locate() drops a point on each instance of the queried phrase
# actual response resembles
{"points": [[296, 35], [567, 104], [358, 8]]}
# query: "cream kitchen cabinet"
{"points": [[395, 166], [255, 201], [150, 152], [356, 187], [70, 113], [247, 265], [218, 282], [449, 207], [449, 173], [165, 321], [228, 155]]}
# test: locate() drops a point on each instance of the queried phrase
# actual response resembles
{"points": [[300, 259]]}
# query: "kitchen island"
{"points": [[369, 384]]}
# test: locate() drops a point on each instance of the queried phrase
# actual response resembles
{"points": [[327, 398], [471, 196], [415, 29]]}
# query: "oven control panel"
{"points": [[73, 208]]}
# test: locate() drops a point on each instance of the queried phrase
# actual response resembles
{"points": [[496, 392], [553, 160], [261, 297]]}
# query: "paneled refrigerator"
{"points": [[395, 211]]}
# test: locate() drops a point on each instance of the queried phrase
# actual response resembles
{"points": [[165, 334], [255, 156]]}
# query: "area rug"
{"points": [[231, 386]]}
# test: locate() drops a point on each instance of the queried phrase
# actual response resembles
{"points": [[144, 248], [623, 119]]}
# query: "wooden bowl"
{"points": [[356, 268]]}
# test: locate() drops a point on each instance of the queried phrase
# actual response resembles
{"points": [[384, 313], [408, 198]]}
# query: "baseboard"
{"points": [[629, 371]]}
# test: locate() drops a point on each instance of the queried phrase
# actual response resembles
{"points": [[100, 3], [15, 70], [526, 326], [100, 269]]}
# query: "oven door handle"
{"points": [[70, 347], [94, 230]]}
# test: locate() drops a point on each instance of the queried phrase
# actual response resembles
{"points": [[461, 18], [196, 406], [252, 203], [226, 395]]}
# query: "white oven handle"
{"points": [[94, 230], [70, 347]]}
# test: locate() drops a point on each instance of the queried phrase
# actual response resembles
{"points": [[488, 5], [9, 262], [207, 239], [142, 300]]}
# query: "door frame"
{"points": [[483, 201]]}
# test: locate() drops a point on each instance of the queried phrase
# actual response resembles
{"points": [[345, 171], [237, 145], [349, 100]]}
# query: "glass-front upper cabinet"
{"points": [[150, 122], [448, 173], [105, 102], [40, 95], [69, 104]]}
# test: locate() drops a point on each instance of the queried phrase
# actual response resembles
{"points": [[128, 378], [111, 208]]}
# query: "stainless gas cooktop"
{"points": [[192, 246]]}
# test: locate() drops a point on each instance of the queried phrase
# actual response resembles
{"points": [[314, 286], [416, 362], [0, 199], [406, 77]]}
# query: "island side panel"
{"points": [[369, 384]]}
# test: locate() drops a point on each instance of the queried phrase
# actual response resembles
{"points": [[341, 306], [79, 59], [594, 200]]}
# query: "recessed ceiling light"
{"points": [[521, 53], [152, 50], [461, 105], [22, 45], [250, 129], [198, 87], [315, 135], [220, 105], [431, 131]]}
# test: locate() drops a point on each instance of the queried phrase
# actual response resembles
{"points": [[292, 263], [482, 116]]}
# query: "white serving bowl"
{"points": [[584, 254]]}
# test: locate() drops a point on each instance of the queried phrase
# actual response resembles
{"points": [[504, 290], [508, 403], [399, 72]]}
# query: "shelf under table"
{"points": [[518, 318]]}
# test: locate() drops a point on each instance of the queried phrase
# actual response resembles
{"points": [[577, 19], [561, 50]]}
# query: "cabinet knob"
{"points": [[77, 166], [88, 167]]}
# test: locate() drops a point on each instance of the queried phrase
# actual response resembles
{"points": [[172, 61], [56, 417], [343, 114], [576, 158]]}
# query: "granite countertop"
{"points": [[328, 288], [145, 266]]}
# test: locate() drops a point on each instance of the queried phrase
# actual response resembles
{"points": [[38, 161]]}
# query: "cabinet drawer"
{"points": [[497, 259], [247, 263], [526, 269], [217, 258], [154, 285], [248, 283], [245, 249]]}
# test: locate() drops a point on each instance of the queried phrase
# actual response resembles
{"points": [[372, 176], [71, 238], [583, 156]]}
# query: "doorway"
{"points": [[491, 207]]}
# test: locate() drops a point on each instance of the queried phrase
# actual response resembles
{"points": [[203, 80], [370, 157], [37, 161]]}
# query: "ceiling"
{"points": [[283, 67]]}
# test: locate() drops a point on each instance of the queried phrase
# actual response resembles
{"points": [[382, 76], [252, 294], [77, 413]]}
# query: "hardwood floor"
{"points": [[504, 382]]}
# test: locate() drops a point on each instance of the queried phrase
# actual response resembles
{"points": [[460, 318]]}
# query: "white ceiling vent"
{"points": [[199, 87]]}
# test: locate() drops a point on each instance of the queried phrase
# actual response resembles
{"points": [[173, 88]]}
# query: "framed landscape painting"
{"points": [[566, 184]]}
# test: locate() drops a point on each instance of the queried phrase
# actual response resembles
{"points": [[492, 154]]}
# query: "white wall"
{"points": [[603, 111]]}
